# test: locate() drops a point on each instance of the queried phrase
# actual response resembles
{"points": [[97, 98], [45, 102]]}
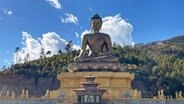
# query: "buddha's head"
{"points": [[96, 22]]}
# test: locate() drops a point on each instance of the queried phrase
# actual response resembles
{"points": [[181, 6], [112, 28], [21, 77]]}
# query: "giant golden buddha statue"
{"points": [[100, 57]]}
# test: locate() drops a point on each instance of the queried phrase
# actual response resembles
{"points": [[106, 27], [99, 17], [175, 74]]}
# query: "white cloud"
{"points": [[55, 3], [76, 34], [50, 41], [7, 62], [7, 11], [90, 9], [118, 29], [69, 18]]}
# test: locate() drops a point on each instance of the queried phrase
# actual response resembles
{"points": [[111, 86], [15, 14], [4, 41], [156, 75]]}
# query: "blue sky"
{"points": [[141, 21]]}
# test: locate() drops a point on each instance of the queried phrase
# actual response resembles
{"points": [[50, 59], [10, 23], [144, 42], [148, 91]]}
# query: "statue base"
{"points": [[95, 66], [115, 83]]}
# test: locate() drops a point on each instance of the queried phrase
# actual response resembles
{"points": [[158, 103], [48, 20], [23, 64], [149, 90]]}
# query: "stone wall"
{"points": [[122, 101], [145, 101], [17, 83], [29, 101]]}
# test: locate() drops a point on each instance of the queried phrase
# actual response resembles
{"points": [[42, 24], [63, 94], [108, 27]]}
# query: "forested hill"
{"points": [[157, 65], [173, 46], [178, 39]]}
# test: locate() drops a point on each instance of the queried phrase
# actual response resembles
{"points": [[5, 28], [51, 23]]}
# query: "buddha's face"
{"points": [[96, 24]]}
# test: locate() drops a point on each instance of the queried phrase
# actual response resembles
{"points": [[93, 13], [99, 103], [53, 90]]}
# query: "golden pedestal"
{"points": [[116, 83]]}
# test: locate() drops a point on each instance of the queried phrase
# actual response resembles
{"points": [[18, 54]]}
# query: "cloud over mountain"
{"points": [[118, 29], [32, 47]]}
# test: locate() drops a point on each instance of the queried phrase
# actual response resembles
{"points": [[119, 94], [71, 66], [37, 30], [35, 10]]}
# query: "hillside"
{"points": [[157, 65], [168, 47]]}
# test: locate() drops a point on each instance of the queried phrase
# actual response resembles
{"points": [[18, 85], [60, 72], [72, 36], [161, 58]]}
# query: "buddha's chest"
{"points": [[96, 40]]}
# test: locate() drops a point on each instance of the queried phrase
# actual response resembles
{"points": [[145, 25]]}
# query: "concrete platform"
{"points": [[116, 83]]}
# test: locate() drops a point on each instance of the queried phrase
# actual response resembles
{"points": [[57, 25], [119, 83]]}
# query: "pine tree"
{"points": [[17, 56], [68, 47]]}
